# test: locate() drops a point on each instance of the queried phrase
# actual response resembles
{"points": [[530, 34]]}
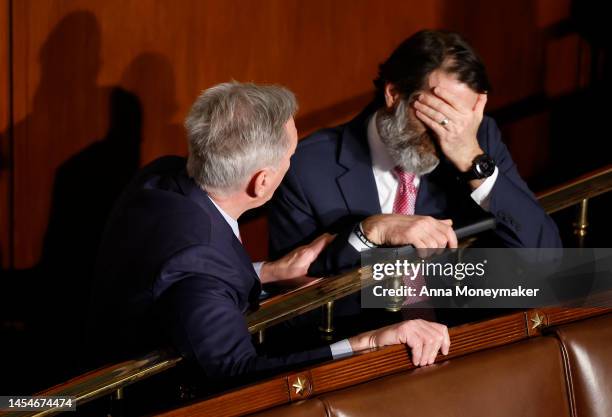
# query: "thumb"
{"points": [[447, 221]]}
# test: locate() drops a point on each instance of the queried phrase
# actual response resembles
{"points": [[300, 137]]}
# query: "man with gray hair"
{"points": [[172, 268]]}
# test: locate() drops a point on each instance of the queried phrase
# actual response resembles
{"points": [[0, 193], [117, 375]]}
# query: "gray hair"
{"points": [[234, 129]]}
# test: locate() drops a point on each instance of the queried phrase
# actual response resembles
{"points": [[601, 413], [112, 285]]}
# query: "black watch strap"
{"points": [[483, 166], [362, 237]]}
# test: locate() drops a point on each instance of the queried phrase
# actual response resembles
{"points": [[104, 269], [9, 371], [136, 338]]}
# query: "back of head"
{"points": [[424, 52], [233, 130]]}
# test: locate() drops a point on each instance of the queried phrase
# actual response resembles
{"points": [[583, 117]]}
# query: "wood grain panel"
{"points": [[248, 400], [5, 136], [71, 54]]}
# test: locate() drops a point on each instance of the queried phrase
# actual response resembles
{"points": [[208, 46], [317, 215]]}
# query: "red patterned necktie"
{"points": [[405, 200]]}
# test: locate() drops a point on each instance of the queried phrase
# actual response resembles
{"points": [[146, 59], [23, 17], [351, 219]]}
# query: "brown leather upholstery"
{"points": [[525, 379], [588, 348], [308, 408]]}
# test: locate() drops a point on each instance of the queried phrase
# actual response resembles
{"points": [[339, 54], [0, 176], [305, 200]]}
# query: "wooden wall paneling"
{"points": [[71, 56], [5, 136]]}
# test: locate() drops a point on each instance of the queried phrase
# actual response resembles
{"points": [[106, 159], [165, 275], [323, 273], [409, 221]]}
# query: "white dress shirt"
{"points": [[386, 181]]}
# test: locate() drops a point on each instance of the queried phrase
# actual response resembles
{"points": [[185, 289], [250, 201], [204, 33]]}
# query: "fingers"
{"points": [[423, 232], [435, 108], [322, 241], [416, 348], [435, 234], [315, 247], [423, 249], [439, 339], [431, 344], [446, 338], [442, 332], [449, 233], [425, 340], [430, 123], [453, 100]]}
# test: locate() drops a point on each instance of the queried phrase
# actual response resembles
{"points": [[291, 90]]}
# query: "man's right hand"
{"points": [[422, 232], [296, 263], [424, 338]]}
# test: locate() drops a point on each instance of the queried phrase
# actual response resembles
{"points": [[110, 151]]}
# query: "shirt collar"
{"points": [[229, 219]]}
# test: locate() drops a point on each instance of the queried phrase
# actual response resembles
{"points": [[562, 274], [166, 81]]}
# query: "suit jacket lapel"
{"points": [[357, 183]]}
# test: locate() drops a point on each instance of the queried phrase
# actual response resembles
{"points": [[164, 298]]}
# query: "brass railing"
{"points": [[314, 294], [322, 292]]}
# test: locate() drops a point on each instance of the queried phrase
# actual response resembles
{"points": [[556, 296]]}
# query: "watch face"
{"points": [[484, 166]]}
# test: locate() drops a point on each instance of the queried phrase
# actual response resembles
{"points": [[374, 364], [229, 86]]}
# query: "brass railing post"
{"points": [[117, 403], [582, 223], [395, 303], [261, 337], [327, 326]]}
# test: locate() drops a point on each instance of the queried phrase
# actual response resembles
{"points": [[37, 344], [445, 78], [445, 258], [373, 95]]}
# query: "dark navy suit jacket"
{"points": [[330, 187], [171, 269]]}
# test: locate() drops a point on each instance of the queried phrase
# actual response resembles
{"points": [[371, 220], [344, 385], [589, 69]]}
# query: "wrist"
{"points": [[266, 273], [361, 341], [358, 232], [370, 230], [465, 164]]}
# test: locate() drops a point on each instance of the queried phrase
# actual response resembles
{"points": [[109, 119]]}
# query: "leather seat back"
{"points": [[524, 379], [587, 346]]}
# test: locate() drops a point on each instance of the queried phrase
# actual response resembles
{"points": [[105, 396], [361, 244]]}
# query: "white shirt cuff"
{"points": [[481, 194], [257, 267], [341, 349], [355, 242]]}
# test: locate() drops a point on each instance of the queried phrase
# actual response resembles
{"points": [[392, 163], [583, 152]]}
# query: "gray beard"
{"points": [[409, 149]]}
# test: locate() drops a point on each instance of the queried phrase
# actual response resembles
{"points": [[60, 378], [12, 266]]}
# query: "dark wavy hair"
{"points": [[424, 52]]}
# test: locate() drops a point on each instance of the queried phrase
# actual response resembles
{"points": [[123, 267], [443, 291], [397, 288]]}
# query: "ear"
{"points": [[259, 183], [391, 94]]}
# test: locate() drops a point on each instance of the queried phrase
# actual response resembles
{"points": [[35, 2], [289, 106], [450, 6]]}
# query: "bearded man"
{"points": [[416, 163]]}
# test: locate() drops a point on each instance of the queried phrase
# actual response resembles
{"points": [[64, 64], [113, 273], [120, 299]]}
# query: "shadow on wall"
{"points": [[43, 309], [150, 77]]}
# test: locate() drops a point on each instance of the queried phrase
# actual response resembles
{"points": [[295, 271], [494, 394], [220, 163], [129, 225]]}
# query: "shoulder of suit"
{"points": [[173, 215], [488, 133], [324, 138], [317, 146]]}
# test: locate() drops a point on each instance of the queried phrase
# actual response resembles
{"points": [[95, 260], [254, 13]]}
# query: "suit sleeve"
{"points": [[292, 223], [202, 315], [521, 221]]}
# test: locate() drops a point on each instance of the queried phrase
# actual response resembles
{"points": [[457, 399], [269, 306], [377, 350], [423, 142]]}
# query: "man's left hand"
{"points": [[454, 123]]}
